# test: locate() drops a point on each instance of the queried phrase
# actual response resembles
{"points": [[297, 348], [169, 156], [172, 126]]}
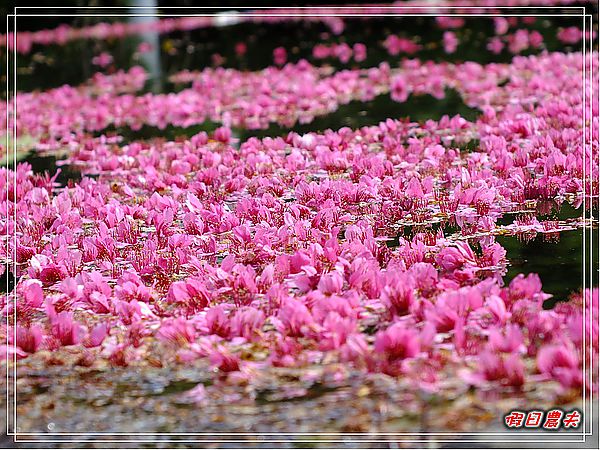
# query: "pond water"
{"points": [[119, 394]]}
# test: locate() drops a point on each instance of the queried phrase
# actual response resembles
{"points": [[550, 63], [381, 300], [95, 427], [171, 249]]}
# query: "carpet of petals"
{"points": [[291, 252]]}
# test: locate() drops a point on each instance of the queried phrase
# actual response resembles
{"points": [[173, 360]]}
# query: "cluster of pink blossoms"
{"points": [[343, 52], [293, 94], [291, 251], [522, 39], [63, 34], [395, 45]]}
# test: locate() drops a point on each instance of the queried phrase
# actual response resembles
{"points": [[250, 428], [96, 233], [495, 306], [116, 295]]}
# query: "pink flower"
{"points": [[295, 318], [247, 323], [321, 51], [29, 339], [535, 39], [291, 251], [414, 188], [347, 306], [144, 47], [191, 293], [501, 25], [450, 22], [529, 288], [398, 294], [178, 331], [495, 45], [425, 277], [492, 255], [355, 348], [336, 330], [570, 35], [103, 59], [225, 361], [128, 312], [51, 274], [218, 322], [360, 52], [66, 330], [443, 316], [400, 89], [32, 293], [223, 134], [507, 370], [96, 336], [397, 342], [450, 42], [560, 361], [343, 52], [452, 258], [331, 283], [511, 341], [197, 394], [131, 287], [519, 41], [498, 309], [279, 56]]}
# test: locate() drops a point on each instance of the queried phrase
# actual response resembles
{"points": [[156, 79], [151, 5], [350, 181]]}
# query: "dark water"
{"points": [[42, 163], [558, 259], [7, 280], [558, 263]]}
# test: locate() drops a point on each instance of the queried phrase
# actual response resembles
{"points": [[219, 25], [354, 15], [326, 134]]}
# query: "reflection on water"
{"points": [[558, 263], [47, 163]]}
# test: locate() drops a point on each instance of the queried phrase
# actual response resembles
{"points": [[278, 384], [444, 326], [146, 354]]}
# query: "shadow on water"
{"points": [[169, 133]]}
